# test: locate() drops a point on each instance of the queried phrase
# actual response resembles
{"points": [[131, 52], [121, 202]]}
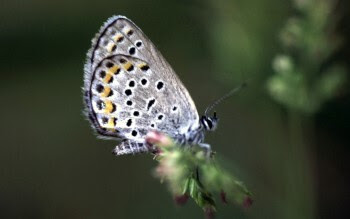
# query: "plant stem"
{"points": [[299, 179]]}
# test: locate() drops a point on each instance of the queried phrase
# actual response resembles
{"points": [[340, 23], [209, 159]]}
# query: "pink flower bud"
{"points": [[181, 199], [209, 213], [248, 201], [223, 197], [154, 137]]}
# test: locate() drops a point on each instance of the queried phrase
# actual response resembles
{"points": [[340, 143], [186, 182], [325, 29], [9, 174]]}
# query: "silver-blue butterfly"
{"points": [[130, 89]]}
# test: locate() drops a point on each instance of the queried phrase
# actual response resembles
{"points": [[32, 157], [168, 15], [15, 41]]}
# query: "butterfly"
{"points": [[130, 90]]}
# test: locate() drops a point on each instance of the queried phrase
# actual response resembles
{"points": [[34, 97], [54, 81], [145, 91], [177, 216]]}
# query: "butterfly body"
{"points": [[130, 89]]}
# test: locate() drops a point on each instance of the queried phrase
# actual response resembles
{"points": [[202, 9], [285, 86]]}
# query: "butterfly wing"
{"points": [[130, 88]]}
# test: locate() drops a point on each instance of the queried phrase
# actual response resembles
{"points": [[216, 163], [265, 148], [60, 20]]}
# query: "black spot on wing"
{"points": [[150, 103]]}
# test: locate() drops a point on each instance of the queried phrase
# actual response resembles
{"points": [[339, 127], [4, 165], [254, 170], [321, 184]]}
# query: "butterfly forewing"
{"points": [[130, 89]]}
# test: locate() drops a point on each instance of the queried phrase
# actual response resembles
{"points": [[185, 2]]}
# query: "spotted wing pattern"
{"points": [[130, 89]]}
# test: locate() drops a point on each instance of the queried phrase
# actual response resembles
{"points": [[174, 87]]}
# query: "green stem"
{"points": [[299, 179]]}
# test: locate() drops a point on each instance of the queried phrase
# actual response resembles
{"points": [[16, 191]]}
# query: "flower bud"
{"points": [[248, 201], [158, 138], [181, 199], [223, 197]]}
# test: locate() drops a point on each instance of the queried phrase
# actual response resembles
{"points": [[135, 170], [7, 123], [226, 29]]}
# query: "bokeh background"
{"points": [[294, 160]]}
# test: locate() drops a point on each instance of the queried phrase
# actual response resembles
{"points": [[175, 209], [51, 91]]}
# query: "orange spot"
{"points": [[110, 46], [127, 65], [129, 32], [106, 92], [111, 129], [142, 65], [113, 70], [107, 78], [117, 37], [110, 124], [109, 106]]}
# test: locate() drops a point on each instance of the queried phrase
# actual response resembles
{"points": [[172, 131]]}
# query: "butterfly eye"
{"points": [[210, 124]]}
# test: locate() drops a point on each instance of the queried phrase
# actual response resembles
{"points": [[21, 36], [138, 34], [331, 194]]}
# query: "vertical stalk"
{"points": [[299, 179]]}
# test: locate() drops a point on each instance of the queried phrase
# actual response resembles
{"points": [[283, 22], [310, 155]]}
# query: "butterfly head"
{"points": [[209, 122]]}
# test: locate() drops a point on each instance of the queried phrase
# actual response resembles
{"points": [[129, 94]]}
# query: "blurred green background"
{"points": [[53, 166]]}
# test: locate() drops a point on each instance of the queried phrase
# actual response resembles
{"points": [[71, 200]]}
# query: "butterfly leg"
{"points": [[129, 147], [207, 149]]}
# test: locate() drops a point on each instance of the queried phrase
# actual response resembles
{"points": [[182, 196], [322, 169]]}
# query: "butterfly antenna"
{"points": [[230, 93]]}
